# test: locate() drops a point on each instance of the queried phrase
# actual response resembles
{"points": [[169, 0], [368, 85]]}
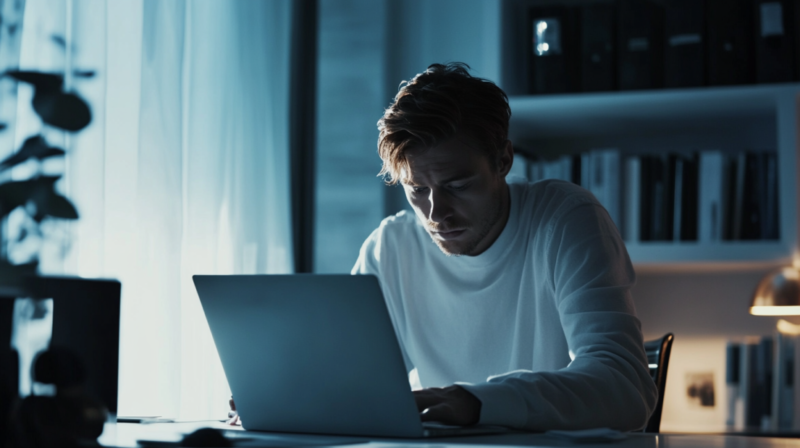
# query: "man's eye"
{"points": [[418, 190], [459, 187]]}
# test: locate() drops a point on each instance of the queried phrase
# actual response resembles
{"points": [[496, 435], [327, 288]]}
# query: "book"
{"points": [[684, 43], [774, 40], [712, 207], [645, 197], [684, 224], [586, 170], [677, 213], [730, 45], [536, 170], [598, 41], [738, 197], [761, 401], [750, 388], [605, 169], [752, 187], [575, 176], [658, 195], [640, 60], [783, 383], [732, 383], [770, 224], [632, 200]]}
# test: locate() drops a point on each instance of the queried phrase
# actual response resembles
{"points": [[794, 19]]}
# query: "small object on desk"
{"points": [[595, 435], [206, 437]]}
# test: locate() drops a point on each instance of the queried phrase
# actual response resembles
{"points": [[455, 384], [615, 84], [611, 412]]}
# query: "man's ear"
{"points": [[506, 159]]}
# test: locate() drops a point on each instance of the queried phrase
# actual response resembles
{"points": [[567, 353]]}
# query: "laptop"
{"points": [[314, 354]]}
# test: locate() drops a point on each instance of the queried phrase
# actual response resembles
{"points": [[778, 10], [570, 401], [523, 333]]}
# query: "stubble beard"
{"points": [[483, 229]]}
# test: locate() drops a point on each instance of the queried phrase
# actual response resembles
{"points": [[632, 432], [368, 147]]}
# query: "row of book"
{"points": [[651, 44], [705, 196], [760, 377]]}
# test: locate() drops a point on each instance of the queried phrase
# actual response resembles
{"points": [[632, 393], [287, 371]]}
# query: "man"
{"points": [[518, 312]]}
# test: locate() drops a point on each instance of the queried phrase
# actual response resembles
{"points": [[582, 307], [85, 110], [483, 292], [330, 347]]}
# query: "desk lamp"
{"points": [[778, 294]]}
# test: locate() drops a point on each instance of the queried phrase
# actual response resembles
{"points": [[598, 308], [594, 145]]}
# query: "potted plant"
{"points": [[85, 330]]}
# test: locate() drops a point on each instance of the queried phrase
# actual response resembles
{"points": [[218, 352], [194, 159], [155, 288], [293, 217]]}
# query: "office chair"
{"points": [[658, 352]]}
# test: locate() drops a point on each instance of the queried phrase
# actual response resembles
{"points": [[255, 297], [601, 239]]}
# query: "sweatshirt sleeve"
{"points": [[607, 383]]}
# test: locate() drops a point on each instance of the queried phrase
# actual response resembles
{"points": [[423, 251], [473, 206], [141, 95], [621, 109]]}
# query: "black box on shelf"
{"points": [[598, 42], [640, 45], [774, 40], [684, 43], [554, 55], [730, 50]]}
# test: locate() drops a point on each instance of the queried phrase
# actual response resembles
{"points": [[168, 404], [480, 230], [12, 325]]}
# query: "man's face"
{"points": [[460, 196]]}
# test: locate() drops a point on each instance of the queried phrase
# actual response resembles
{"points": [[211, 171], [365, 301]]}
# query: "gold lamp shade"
{"points": [[778, 294]]}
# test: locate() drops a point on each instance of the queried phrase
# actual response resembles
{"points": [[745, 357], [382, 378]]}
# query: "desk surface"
{"points": [[127, 434]]}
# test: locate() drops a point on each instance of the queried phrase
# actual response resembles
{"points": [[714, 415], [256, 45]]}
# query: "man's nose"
{"points": [[441, 209]]}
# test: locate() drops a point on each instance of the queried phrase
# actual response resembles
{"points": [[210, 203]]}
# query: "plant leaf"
{"points": [[59, 40], [56, 206], [65, 111], [43, 82], [18, 193], [34, 148]]}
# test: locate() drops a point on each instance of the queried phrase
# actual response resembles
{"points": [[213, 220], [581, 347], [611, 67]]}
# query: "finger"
{"points": [[426, 398], [442, 413]]}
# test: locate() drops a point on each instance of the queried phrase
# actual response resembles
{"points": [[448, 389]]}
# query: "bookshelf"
{"points": [[731, 119]]}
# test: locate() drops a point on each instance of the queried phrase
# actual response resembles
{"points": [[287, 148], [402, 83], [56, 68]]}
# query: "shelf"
{"points": [[645, 112], [732, 119], [664, 254]]}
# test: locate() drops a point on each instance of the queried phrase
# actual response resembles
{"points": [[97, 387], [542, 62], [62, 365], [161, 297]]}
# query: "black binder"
{"points": [[685, 198], [640, 45], [752, 193], [770, 219], [598, 58], [684, 43], [554, 61], [774, 40], [657, 199], [729, 42]]}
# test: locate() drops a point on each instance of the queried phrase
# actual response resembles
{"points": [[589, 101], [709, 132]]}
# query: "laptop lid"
{"points": [[310, 354]]}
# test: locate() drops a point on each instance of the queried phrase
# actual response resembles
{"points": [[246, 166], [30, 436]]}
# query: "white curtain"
{"points": [[184, 170]]}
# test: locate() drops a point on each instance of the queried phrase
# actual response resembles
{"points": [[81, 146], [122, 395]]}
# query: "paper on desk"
{"points": [[595, 435]]}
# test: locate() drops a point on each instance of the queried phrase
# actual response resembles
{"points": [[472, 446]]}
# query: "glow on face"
{"points": [[457, 194]]}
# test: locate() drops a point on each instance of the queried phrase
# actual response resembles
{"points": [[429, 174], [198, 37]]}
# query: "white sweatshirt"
{"points": [[540, 327]]}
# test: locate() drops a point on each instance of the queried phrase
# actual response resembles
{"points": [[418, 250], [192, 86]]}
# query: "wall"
{"points": [[704, 310]]}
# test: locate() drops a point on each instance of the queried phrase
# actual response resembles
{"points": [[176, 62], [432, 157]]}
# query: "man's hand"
{"points": [[233, 416], [451, 405]]}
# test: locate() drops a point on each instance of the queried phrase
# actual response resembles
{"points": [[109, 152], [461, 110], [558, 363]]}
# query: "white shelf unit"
{"points": [[759, 117]]}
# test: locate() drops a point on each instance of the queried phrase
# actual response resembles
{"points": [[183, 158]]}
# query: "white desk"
{"points": [[126, 435]]}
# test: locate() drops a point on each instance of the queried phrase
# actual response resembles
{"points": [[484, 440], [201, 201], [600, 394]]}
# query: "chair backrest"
{"points": [[658, 352]]}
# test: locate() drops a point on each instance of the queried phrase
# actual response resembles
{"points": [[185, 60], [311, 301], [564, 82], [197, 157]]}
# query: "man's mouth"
{"points": [[448, 235]]}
